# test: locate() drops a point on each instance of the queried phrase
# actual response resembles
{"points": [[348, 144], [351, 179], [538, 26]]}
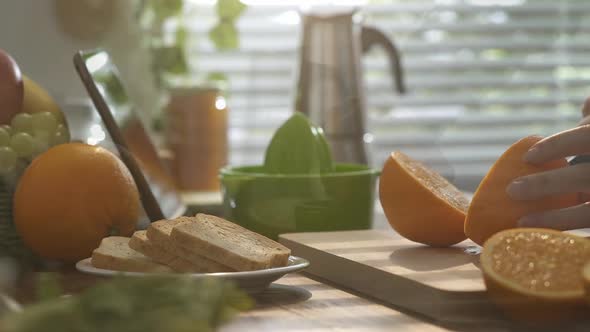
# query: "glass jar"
{"points": [[196, 135]]}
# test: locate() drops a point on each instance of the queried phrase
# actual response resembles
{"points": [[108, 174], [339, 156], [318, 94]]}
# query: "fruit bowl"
{"points": [[26, 137], [31, 122]]}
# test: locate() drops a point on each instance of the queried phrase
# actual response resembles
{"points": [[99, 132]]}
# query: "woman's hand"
{"points": [[571, 179]]}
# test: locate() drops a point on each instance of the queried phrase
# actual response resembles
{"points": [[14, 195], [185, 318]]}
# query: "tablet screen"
{"points": [[128, 128]]}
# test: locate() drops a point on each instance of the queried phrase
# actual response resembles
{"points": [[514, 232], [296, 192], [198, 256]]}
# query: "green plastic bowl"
{"points": [[273, 204]]}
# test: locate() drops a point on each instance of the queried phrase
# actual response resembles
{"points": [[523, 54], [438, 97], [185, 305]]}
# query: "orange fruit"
{"points": [[535, 274], [492, 210], [420, 204], [72, 196]]}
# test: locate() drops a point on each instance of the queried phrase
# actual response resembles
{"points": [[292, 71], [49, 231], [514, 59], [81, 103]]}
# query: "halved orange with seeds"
{"points": [[535, 274]]}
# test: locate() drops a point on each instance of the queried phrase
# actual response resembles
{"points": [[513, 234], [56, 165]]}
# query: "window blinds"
{"points": [[480, 75]]}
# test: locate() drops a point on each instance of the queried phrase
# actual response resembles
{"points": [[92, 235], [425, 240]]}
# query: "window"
{"points": [[480, 73]]}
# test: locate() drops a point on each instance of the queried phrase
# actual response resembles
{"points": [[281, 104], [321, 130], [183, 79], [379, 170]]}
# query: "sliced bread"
{"points": [[228, 243], [114, 253], [159, 233], [140, 242]]}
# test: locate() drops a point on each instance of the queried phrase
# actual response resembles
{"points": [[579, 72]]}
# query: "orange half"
{"points": [[492, 210], [420, 204], [535, 274]]}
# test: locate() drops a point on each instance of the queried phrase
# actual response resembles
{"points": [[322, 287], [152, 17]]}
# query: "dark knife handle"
{"points": [[580, 159]]}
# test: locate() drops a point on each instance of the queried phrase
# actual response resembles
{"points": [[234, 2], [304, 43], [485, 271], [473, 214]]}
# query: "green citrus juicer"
{"points": [[299, 188]]}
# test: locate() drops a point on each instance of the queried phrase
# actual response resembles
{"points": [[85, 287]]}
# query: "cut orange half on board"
{"points": [[535, 274], [492, 210], [420, 204]]}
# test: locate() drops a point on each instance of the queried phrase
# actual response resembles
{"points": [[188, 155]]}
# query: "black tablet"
{"points": [[159, 195]]}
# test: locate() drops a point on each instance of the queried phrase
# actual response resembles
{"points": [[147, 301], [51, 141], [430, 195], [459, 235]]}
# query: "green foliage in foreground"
{"points": [[159, 303]]}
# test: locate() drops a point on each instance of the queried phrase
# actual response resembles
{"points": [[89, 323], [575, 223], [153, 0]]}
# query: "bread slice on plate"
{"points": [[158, 233], [229, 244], [139, 242], [114, 253]]}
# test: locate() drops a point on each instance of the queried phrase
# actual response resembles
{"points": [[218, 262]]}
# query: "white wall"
{"points": [[30, 32]]}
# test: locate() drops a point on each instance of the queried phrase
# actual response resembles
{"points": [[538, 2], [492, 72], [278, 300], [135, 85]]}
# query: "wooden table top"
{"points": [[293, 303], [298, 303]]}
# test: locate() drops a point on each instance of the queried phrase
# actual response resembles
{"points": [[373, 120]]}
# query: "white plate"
{"points": [[250, 281]]}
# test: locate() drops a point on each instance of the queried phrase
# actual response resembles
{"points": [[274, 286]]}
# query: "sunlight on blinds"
{"points": [[481, 74], [284, 3]]}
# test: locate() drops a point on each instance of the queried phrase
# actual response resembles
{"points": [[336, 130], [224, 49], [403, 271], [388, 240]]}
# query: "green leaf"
{"points": [[164, 9], [158, 123], [224, 36], [147, 304], [170, 59], [181, 36], [217, 77], [229, 9]]}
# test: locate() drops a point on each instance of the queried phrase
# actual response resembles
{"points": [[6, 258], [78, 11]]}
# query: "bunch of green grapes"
{"points": [[27, 136]]}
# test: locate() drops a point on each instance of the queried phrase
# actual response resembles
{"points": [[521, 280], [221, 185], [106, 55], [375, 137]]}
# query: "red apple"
{"points": [[11, 88]]}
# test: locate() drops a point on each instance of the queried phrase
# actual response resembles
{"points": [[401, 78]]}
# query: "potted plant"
{"points": [[148, 41], [194, 116]]}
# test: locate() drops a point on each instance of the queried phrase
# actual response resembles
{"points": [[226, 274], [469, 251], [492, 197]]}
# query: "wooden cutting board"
{"points": [[443, 284]]}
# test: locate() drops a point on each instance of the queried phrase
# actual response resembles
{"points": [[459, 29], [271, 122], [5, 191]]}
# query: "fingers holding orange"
{"points": [[586, 107], [493, 210], [574, 217], [564, 144], [570, 179]]}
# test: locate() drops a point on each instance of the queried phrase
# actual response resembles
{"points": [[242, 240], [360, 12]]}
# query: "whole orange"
{"points": [[72, 196]]}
